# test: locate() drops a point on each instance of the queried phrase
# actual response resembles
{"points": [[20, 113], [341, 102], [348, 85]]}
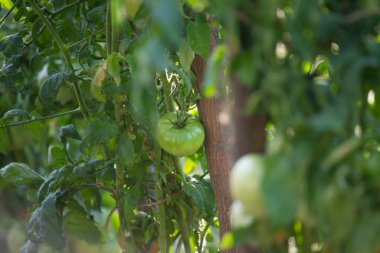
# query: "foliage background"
{"points": [[311, 66]]}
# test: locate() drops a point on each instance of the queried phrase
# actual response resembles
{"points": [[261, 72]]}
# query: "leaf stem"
{"points": [[109, 28], [42, 118], [183, 226], [9, 12]]}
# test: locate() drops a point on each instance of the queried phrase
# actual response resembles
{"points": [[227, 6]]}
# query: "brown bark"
{"points": [[249, 130], [217, 148]]}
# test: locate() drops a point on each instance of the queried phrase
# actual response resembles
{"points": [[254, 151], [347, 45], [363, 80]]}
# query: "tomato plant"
{"points": [[179, 137]]}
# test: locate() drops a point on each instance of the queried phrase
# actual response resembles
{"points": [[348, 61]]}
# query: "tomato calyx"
{"points": [[181, 120]]}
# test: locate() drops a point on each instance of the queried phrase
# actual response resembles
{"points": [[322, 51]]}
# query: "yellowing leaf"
{"points": [[97, 83]]}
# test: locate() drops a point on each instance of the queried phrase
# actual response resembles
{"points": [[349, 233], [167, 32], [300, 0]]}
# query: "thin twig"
{"points": [[109, 217], [66, 7], [158, 202], [41, 118]]}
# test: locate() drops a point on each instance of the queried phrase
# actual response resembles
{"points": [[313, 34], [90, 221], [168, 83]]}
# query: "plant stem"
{"points": [[183, 226], [86, 38], [68, 6], [162, 233], [65, 53], [42, 118], [109, 28], [9, 12], [115, 27]]}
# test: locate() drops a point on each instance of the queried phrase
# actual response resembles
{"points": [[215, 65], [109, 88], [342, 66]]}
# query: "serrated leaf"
{"points": [[125, 152], [69, 131], [17, 112], [192, 191], [97, 83], [198, 36], [99, 131], [19, 173], [50, 88], [113, 67], [45, 224], [205, 188], [77, 224]]}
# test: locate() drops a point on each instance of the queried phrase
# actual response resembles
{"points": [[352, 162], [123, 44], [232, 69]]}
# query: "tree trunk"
{"points": [[218, 150], [249, 130]]}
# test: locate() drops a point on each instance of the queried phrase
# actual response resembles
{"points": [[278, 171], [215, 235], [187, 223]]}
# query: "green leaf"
{"points": [[198, 36], [56, 157], [19, 173], [50, 88], [186, 56], [100, 130], [45, 224], [194, 193], [77, 224], [208, 198], [113, 67], [69, 131], [125, 152], [17, 112], [12, 47]]}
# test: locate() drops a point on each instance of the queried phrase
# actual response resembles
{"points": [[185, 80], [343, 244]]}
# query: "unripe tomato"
{"points": [[239, 217], [245, 183], [179, 138]]}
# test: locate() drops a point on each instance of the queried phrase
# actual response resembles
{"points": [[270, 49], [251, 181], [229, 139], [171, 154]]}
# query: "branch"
{"points": [[41, 118]]}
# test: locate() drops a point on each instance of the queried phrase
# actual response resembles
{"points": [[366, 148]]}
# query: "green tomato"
{"points": [[245, 184], [239, 217], [179, 138]]}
